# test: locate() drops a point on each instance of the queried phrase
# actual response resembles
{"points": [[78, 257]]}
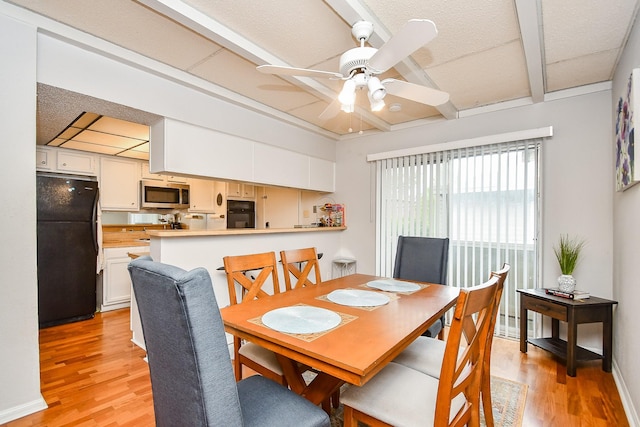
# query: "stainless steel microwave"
{"points": [[164, 195]]}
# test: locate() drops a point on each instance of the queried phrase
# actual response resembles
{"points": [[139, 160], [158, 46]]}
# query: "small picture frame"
{"points": [[627, 173]]}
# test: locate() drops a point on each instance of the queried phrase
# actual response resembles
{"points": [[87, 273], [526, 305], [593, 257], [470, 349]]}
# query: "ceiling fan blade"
{"points": [[412, 36], [302, 72], [414, 92], [331, 111]]}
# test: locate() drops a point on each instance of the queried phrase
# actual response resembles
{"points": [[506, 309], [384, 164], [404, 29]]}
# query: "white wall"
{"points": [[626, 239], [19, 359], [577, 187]]}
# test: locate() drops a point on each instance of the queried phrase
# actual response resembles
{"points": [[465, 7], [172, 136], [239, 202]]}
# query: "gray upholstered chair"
{"points": [[191, 373], [423, 259]]}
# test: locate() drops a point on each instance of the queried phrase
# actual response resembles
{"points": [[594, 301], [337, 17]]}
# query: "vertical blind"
{"points": [[485, 199]]}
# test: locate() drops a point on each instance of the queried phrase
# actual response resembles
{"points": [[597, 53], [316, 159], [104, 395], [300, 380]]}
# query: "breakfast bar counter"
{"points": [[240, 231]]}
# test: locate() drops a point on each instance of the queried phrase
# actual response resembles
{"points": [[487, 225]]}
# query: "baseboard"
{"points": [[22, 410], [138, 343], [627, 402]]}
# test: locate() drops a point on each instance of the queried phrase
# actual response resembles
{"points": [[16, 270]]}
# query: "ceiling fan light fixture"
{"points": [[348, 94], [376, 90], [347, 108], [376, 104]]}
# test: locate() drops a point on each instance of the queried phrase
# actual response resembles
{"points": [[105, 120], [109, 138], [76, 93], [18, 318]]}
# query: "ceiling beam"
{"points": [[231, 40], [530, 20]]}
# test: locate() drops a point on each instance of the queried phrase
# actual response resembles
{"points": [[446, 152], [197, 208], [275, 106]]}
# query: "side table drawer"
{"points": [[547, 308]]}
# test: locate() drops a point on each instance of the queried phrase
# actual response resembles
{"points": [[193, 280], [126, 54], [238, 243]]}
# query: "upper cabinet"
{"points": [[241, 191], [229, 157], [74, 162], [119, 184], [202, 195], [44, 159], [149, 176], [65, 161]]}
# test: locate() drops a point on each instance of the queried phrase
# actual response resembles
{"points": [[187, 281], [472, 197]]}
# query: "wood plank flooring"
{"points": [[93, 375]]}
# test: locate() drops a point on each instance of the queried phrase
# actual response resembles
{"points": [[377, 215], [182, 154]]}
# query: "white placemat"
{"points": [[357, 298], [301, 319], [392, 285]]}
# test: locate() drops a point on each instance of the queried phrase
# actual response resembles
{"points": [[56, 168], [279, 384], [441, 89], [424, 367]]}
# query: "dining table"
{"points": [[345, 329]]}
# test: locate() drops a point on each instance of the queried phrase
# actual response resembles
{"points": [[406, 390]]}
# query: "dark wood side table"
{"points": [[574, 312]]}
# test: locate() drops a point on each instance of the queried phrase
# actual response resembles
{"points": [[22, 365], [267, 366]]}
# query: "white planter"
{"points": [[566, 283]]}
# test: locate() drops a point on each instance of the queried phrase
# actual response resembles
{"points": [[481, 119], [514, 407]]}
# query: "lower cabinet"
{"points": [[116, 283]]}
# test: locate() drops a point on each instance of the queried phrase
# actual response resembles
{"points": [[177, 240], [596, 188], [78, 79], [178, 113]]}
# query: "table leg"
{"points": [[572, 344], [555, 329], [524, 327], [318, 391], [607, 339]]}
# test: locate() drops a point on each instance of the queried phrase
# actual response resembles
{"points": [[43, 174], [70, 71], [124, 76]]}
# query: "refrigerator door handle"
{"points": [[94, 220]]}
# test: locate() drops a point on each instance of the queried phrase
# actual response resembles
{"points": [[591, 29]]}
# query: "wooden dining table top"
{"points": [[367, 338]]}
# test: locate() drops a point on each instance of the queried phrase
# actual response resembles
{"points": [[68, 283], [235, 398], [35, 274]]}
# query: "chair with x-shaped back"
{"points": [[300, 263], [252, 272], [400, 395]]}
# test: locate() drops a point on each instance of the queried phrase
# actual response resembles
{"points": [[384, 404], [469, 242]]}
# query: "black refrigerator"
{"points": [[67, 248]]}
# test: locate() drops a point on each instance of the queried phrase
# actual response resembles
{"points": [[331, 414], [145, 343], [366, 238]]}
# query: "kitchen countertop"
{"points": [[240, 231]]}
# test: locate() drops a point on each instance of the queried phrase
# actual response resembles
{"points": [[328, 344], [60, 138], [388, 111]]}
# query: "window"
{"points": [[484, 198]]}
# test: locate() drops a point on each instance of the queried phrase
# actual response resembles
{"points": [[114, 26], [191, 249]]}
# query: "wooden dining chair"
{"points": [[292, 264], [192, 379], [485, 387], [399, 395], [423, 259], [427, 354], [238, 269], [300, 263]]}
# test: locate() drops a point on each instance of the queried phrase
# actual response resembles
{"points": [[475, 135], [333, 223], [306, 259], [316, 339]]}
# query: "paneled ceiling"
{"points": [[488, 53]]}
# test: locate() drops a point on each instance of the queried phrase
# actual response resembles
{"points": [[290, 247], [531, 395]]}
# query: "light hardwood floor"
{"points": [[93, 375]]}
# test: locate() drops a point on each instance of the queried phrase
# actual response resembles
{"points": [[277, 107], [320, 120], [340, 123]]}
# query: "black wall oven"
{"points": [[241, 214]]}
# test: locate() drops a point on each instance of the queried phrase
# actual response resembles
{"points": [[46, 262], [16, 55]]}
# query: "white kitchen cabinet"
{"points": [[177, 179], [234, 189], [237, 190], [74, 162], [119, 184], [149, 176], [65, 161], [248, 191], [116, 283], [202, 195], [45, 159]]}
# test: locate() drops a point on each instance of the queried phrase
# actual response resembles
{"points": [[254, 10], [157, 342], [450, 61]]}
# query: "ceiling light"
{"points": [[394, 108], [347, 108], [348, 94], [376, 105], [376, 90]]}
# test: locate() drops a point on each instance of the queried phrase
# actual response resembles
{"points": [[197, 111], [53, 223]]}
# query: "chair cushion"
{"points": [[266, 403], [399, 396], [424, 355], [261, 356]]}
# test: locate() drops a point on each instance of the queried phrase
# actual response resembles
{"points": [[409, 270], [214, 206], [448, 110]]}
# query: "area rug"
{"points": [[507, 398]]}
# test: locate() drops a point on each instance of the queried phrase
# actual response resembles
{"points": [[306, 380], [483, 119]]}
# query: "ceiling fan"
{"points": [[360, 66]]}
